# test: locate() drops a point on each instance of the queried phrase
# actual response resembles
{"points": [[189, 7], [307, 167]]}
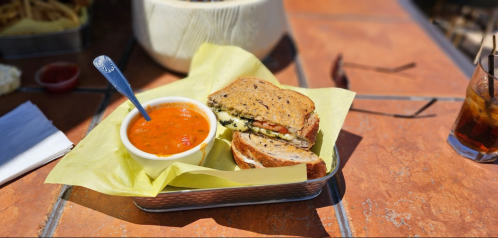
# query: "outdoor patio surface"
{"points": [[397, 177]]}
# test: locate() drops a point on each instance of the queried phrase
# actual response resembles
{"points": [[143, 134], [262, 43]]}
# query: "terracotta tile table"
{"points": [[26, 201], [402, 179], [397, 177]]}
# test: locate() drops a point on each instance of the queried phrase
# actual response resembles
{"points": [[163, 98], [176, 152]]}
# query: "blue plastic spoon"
{"points": [[112, 73]]}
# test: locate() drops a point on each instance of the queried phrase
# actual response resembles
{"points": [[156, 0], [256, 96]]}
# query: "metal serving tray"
{"points": [[47, 44], [237, 196]]}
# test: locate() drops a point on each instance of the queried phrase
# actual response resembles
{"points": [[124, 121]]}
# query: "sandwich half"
{"points": [[257, 106], [255, 151]]}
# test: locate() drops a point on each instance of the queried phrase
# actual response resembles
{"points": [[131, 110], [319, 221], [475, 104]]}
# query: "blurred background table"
{"points": [[398, 177]]}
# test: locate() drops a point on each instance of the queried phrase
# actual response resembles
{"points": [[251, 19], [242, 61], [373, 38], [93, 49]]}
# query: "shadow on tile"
{"points": [[347, 143], [281, 56], [144, 73], [294, 218]]}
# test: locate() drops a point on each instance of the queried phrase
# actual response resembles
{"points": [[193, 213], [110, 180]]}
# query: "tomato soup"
{"points": [[171, 130]]}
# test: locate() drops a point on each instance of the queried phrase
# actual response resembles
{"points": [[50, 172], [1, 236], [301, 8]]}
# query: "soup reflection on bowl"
{"points": [[180, 130]]}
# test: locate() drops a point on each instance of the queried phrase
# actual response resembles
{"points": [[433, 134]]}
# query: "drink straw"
{"points": [[491, 69]]}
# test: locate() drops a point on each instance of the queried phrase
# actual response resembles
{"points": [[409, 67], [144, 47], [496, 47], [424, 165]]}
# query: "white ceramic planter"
{"points": [[171, 31]]}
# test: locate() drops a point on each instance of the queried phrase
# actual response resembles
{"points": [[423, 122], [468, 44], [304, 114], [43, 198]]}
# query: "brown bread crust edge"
{"points": [[262, 101], [306, 137], [314, 169], [310, 130]]}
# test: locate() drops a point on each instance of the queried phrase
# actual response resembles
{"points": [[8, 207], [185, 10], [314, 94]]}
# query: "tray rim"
{"points": [[156, 210], [185, 208], [327, 177]]}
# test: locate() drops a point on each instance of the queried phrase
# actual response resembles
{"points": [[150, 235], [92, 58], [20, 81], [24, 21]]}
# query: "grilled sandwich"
{"points": [[257, 106], [255, 151]]}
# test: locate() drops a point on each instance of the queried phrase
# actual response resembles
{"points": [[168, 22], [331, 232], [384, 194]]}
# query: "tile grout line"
{"points": [[408, 98], [340, 211], [303, 82], [54, 217], [66, 190], [76, 90]]}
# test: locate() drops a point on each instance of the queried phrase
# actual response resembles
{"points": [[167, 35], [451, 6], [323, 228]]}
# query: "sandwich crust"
{"points": [[306, 137], [260, 100], [253, 151], [309, 132]]}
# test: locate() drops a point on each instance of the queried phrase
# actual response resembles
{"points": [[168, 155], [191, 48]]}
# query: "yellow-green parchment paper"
{"points": [[100, 161]]}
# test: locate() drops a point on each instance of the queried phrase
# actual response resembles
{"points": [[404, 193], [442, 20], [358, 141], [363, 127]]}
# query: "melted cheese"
{"points": [[236, 123], [271, 133], [250, 161], [239, 124]]}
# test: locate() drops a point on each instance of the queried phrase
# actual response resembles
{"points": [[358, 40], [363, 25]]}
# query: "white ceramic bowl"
{"points": [[154, 165]]}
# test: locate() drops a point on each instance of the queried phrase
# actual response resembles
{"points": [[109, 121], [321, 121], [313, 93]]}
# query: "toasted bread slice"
{"points": [[306, 137], [254, 151], [287, 114], [260, 100]]}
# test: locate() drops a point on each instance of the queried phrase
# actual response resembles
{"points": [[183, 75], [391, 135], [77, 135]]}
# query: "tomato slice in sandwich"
{"points": [[266, 125]]}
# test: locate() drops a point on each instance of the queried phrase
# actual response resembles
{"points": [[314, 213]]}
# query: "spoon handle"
{"points": [[109, 69]]}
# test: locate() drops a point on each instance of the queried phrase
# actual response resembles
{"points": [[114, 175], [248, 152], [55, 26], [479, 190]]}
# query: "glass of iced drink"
{"points": [[475, 132]]}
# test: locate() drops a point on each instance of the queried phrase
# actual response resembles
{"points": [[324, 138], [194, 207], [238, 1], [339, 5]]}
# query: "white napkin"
{"points": [[28, 140]]}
